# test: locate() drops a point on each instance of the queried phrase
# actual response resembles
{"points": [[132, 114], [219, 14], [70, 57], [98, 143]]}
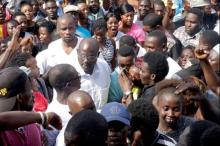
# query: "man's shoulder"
{"points": [[179, 30], [55, 43]]}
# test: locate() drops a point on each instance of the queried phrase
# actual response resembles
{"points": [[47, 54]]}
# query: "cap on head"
{"points": [[116, 112], [12, 83], [70, 8]]}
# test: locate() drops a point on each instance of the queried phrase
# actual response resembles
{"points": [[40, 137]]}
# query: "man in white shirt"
{"points": [[95, 72], [62, 50]]}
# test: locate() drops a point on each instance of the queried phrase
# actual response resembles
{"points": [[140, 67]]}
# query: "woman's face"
{"points": [[128, 18], [112, 26], [170, 108], [28, 11], [44, 35]]}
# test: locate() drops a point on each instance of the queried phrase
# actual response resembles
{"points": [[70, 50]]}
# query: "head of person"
{"points": [[26, 45], [15, 90], [156, 41], [99, 28], [152, 22], [112, 23], [128, 40], [11, 26], [145, 119], [208, 39], [144, 7], [35, 5], [126, 58], [72, 10], [118, 119], [186, 55], [154, 68], [169, 104], [83, 9], [196, 131], [80, 100], [51, 9], [44, 32], [134, 74], [159, 7], [21, 19], [127, 14], [2, 12], [94, 6], [66, 27], [193, 21], [27, 9], [59, 81], [27, 60], [86, 128], [88, 54]]}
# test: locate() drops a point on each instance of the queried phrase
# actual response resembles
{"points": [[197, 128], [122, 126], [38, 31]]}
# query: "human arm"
{"points": [[14, 119]]}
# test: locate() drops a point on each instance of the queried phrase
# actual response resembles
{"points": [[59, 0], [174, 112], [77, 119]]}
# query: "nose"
{"points": [[170, 113]]}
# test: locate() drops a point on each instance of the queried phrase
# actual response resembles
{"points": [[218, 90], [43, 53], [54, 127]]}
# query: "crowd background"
{"points": [[109, 72]]}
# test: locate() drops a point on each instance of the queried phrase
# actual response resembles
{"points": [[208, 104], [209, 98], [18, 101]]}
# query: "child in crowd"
{"points": [[28, 64], [170, 107]]}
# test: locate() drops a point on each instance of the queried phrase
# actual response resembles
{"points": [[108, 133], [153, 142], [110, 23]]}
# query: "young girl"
{"points": [[170, 106]]}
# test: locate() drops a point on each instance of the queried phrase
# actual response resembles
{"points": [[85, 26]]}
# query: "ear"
{"points": [[19, 98], [164, 47], [152, 77]]}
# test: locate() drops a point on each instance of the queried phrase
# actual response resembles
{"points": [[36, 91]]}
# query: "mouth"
{"points": [[114, 29], [170, 120]]}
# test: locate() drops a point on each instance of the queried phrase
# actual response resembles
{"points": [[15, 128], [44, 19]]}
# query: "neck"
{"points": [[111, 35], [69, 46], [61, 98]]}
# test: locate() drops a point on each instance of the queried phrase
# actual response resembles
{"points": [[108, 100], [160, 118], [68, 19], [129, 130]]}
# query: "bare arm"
{"points": [[14, 119]]}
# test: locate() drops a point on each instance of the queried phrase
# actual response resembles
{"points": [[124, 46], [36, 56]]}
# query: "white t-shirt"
{"points": [[173, 67], [60, 137], [61, 110], [54, 55], [97, 84]]}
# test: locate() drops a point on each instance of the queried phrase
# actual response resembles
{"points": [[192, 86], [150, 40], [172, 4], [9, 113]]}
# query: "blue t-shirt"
{"points": [[82, 32]]}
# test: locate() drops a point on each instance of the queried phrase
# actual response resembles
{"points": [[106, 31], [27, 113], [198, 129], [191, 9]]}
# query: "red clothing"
{"points": [[40, 102], [28, 135], [3, 31]]}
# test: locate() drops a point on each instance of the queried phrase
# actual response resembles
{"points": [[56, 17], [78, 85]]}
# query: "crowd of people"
{"points": [[109, 72]]}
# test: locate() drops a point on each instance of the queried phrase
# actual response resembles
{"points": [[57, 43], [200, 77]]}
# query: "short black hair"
{"points": [[127, 40], [16, 14], [50, 26], [12, 21], [212, 37], [197, 12], [99, 24], [144, 116], [24, 3], [196, 130], [109, 15], [88, 128], [161, 37], [210, 136], [126, 8], [19, 59], [158, 64], [126, 51], [48, 1], [152, 20], [159, 2], [60, 75], [78, 2]]}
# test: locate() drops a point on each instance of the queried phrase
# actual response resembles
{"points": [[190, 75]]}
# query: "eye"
{"points": [[165, 108], [177, 109]]}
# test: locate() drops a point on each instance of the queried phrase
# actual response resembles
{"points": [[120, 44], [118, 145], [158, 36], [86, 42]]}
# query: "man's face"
{"points": [[2, 13], [66, 29], [145, 74], [22, 20], [51, 9], [35, 6], [87, 57], [117, 133], [11, 28], [83, 10], [159, 10], [144, 7], [192, 24], [125, 62], [151, 44], [94, 6]]}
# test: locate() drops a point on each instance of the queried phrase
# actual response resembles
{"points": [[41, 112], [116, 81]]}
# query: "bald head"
{"points": [[64, 78], [65, 17], [89, 44], [80, 100]]}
